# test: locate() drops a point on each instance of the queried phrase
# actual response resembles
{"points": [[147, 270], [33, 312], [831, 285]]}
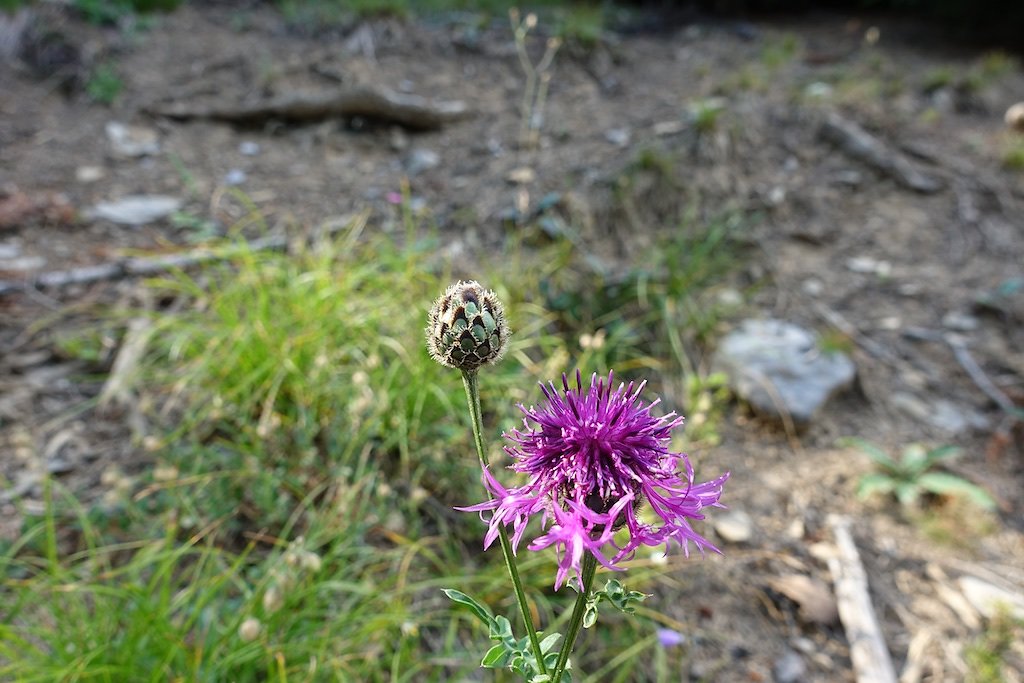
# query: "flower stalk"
{"points": [[576, 620], [471, 383]]}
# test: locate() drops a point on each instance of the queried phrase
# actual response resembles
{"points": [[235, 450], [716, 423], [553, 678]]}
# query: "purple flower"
{"points": [[593, 457], [670, 638]]}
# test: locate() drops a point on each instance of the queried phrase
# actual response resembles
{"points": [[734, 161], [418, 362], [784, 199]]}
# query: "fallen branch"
{"points": [[411, 111], [868, 651], [139, 266], [144, 266], [863, 146]]}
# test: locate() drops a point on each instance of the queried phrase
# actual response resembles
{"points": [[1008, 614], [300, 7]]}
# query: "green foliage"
{"points": [[113, 11], [615, 594], [911, 475], [704, 113], [1013, 156], [707, 395], [510, 652], [291, 371], [987, 656], [780, 51], [104, 85]]}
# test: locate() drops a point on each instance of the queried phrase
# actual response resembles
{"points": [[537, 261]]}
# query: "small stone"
{"points": [[88, 174], [989, 599], [734, 526], [816, 602], [812, 286], [248, 148], [776, 195], [521, 176], [666, 128], [789, 668], [1015, 117], [398, 139], [132, 141], [235, 176], [137, 210], [866, 264], [59, 466], [960, 322], [9, 251], [421, 160], [818, 90], [778, 369], [729, 298], [617, 136]]}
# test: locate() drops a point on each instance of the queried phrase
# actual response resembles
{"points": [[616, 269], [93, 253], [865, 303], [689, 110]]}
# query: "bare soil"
{"points": [[839, 245]]}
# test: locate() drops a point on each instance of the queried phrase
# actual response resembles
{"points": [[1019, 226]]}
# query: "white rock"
{"points": [[989, 599], [734, 526], [132, 141], [137, 209], [88, 174]]}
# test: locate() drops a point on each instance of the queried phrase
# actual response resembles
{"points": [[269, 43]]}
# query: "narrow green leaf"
{"points": [[871, 450], [875, 483], [944, 483], [941, 453], [479, 610]]}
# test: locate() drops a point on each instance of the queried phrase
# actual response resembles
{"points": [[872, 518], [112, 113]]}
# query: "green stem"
{"points": [[576, 620], [470, 381]]}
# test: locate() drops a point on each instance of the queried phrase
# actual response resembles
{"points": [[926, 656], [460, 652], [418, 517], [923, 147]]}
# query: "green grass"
{"points": [[308, 454], [104, 84]]}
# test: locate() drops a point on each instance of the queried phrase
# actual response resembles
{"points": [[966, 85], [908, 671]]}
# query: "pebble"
{"points": [[618, 136], [734, 526], [961, 322], [421, 160], [89, 174], [521, 176], [1015, 117], [132, 141], [235, 176], [789, 668], [812, 286], [866, 264], [818, 90], [248, 148], [136, 210]]}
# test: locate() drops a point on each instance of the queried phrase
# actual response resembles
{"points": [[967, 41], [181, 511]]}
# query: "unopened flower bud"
{"points": [[467, 327], [250, 629]]}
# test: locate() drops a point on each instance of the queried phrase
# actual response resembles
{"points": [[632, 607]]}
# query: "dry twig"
{"points": [[868, 650]]}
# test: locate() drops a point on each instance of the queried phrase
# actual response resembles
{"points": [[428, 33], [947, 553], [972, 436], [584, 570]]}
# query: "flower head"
{"points": [[467, 327], [593, 457]]}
